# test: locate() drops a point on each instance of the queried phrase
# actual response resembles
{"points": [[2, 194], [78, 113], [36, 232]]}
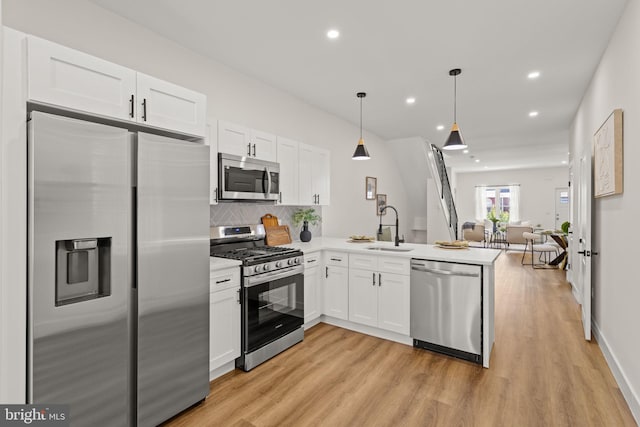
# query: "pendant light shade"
{"points": [[455, 140], [361, 152]]}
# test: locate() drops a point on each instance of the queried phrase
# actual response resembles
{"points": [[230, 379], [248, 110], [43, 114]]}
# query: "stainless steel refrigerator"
{"points": [[118, 272]]}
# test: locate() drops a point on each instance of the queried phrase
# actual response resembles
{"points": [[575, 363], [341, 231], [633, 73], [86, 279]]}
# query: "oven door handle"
{"points": [[274, 275]]}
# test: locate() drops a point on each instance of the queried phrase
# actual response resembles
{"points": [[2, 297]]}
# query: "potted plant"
{"points": [[304, 217], [496, 217]]}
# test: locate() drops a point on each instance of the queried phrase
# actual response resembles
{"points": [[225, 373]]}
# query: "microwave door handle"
{"points": [[268, 181]]}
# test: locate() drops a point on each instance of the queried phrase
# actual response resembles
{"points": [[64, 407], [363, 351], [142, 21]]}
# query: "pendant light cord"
{"points": [[360, 117], [455, 96]]}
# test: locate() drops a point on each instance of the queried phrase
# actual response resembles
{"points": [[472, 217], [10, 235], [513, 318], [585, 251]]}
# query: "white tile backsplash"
{"points": [[236, 213]]}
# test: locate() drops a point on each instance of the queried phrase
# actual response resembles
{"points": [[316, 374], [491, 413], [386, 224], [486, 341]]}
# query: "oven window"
{"points": [[273, 309]]}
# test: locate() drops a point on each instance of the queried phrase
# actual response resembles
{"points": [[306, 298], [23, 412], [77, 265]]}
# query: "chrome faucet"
{"points": [[398, 240]]}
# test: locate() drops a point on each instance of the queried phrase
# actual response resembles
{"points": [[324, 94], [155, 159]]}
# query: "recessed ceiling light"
{"points": [[533, 114], [533, 75], [333, 34], [440, 127], [564, 162], [411, 100], [465, 152], [477, 160]]}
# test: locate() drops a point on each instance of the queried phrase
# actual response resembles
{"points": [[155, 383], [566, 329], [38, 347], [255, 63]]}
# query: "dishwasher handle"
{"points": [[444, 272]]}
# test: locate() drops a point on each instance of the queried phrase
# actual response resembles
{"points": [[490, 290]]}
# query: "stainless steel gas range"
{"points": [[272, 289]]}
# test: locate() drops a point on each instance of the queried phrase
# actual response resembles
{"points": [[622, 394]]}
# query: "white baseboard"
{"points": [[218, 372], [311, 323], [367, 330], [630, 395]]}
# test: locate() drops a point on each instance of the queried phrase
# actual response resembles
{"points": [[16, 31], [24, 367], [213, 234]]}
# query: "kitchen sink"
{"points": [[384, 248]]}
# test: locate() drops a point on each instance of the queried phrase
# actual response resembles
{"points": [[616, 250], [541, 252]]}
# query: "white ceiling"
{"points": [[401, 48]]}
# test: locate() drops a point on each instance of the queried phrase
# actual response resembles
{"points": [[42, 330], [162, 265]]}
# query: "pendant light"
{"points": [[455, 140], [361, 152]]}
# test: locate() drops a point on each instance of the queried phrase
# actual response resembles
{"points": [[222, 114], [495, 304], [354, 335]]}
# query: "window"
{"points": [[501, 198]]}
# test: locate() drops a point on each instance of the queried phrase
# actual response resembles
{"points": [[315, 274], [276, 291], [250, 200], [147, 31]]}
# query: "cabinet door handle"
{"points": [[280, 199], [379, 279], [215, 194], [144, 109], [131, 106], [238, 296], [374, 278], [223, 281], [248, 149], [254, 150], [326, 272], [336, 259], [318, 199]]}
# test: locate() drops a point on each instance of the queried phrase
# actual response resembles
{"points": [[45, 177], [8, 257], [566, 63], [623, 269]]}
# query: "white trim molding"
{"points": [[630, 395]]}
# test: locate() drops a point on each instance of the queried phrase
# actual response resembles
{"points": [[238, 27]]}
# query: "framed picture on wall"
{"points": [[607, 157], [381, 200], [370, 188]]}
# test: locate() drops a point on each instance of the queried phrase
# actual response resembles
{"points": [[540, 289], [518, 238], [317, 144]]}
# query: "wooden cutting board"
{"points": [[278, 235], [269, 220]]}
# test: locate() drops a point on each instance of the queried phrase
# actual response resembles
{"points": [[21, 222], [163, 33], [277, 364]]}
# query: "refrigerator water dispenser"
{"points": [[82, 269]]}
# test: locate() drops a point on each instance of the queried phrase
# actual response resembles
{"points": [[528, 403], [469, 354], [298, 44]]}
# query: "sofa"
{"points": [[475, 233], [513, 233]]}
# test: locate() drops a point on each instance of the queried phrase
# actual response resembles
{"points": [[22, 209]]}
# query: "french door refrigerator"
{"points": [[118, 272]]}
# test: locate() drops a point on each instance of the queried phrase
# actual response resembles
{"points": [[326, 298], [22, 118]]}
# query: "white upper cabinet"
{"points": [[243, 141], [314, 173], [61, 76], [263, 145], [233, 139], [165, 105], [287, 155]]}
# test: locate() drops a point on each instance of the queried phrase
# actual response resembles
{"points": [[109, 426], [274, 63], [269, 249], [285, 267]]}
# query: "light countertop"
{"points": [[216, 263], [477, 256]]}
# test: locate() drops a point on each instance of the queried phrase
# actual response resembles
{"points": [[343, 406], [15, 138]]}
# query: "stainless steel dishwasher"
{"points": [[446, 308]]}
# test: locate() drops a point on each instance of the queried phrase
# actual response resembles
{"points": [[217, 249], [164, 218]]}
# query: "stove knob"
{"points": [[266, 267], [258, 268], [297, 261], [278, 264], [290, 261]]}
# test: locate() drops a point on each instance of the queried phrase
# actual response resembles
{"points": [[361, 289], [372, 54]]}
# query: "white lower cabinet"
{"points": [[336, 285], [224, 317], [312, 287], [379, 295]]}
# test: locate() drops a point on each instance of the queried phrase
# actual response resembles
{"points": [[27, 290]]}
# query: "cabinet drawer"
{"points": [[312, 260], [363, 262], [224, 279], [394, 265], [336, 258]]}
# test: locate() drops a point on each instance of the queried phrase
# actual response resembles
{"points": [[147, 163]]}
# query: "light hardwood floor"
{"points": [[543, 373]]}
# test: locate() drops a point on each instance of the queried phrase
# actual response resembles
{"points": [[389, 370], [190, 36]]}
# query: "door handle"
{"points": [[280, 199], [326, 272], [379, 279], [238, 296], [374, 278], [248, 149], [131, 106], [144, 109], [254, 150]]}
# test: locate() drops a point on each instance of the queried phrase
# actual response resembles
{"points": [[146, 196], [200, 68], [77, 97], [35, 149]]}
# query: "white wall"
{"points": [[616, 292], [232, 96], [537, 192]]}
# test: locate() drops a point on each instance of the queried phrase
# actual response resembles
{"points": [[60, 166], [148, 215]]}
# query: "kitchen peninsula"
{"points": [[346, 267]]}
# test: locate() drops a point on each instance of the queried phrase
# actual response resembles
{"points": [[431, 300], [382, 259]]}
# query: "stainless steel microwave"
{"points": [[246, 178]]}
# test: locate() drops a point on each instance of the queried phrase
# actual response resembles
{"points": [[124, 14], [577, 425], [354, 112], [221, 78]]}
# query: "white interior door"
{"points": [[582, 246], [562, 206]]}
